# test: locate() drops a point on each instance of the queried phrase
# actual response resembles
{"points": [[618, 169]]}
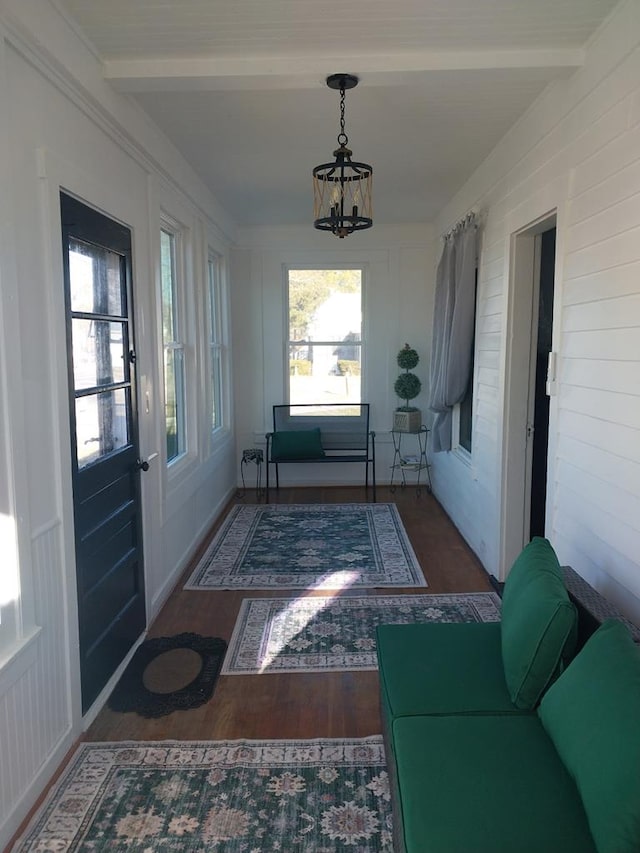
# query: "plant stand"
{"points": [[406, 462], [252, 454]]}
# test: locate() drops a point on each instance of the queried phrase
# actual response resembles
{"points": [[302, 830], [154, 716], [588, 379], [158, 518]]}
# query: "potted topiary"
{"points": [[407, 386]]}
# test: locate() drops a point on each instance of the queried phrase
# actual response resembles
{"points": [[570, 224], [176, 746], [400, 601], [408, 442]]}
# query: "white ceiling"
{"points": [[238, 85]]}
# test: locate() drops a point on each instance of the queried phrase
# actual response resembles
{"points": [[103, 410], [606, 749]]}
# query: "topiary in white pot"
{"points": [[407, 386]]}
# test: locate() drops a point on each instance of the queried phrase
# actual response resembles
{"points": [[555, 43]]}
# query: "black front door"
{"points": [[104, 442]]}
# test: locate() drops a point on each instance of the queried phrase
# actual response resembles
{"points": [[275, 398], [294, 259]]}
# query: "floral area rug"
{"points": [[324, 546], [308, 796], [317, 633]]}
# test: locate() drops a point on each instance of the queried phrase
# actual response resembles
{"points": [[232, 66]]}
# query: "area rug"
{"points": [[319, 634], [169, 674], [325, 546], [308, 796]]}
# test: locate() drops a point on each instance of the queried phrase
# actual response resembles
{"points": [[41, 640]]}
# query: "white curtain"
{"points": [[453, 319]]}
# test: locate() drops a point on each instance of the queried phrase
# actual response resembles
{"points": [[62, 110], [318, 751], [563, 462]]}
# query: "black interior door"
{"points": [[104, 446]]}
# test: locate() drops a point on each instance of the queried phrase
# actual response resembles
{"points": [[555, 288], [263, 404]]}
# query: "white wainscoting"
{"points": [[35, 715]]}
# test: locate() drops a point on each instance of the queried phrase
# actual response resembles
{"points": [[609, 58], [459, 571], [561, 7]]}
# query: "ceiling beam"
{"points": [[281, 73]]}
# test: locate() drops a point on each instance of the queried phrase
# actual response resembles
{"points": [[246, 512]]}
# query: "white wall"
{"points": [[576, 151], [398, 303], [63, 127]]}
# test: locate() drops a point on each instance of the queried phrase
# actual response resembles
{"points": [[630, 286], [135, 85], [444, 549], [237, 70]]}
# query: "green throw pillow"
{"points": [[539, 624], [296, 444], [592, 715]]}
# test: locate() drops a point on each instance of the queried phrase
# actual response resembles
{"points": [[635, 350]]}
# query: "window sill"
{"points": [[463, 455], [219, 438], [180, 469], [18, 658]]}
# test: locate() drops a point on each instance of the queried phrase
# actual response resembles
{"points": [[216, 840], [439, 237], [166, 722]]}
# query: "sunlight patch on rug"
{"points": [[292, 546], [320, 634], [311, 796]]}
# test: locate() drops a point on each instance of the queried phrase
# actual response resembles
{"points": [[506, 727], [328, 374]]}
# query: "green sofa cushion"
{"points": [[539, 624], [592, 714], [442, 668], [485, 784], [296, 444]]}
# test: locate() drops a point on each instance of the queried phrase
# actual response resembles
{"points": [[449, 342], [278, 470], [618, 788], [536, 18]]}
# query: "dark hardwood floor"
{"points": [[337, 704]]}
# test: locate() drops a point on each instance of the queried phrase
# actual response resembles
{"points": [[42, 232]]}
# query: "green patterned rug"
{"points": [[308, 796], [309, 546], [317, 633]]}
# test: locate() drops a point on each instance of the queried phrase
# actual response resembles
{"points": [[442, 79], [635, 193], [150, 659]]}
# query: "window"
{"points": [[17, 615], [466, 414], [173, 343], [216, 351], [9, 584], [325, 339], [465, 409]]}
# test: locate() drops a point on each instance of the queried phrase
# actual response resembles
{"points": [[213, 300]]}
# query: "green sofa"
{"points": [[501, 739]]}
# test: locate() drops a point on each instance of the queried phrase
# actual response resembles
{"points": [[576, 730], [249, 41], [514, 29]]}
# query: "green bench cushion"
{"points": [[539, 624], [442, 668], [487, 784], [296, 444], [592, 714]]}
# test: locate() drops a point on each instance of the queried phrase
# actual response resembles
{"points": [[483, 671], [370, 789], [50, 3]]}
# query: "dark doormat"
{"points": [[169, 674]]}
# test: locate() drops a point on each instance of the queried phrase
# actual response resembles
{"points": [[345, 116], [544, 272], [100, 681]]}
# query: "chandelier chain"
{"points": [[343, 139]]}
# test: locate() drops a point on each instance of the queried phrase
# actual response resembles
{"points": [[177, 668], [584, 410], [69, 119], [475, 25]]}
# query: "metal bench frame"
{"points": [[345, 437]]}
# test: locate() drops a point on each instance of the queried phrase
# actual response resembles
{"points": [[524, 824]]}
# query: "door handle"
{"points": [[143, 464]]}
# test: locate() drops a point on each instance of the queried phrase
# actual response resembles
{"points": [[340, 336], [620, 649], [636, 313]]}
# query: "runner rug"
{"points": [[321, 546], [311, 796], [318, 633]]}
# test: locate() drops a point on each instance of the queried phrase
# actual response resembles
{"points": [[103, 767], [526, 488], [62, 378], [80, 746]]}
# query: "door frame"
{"points": [[535, 235], [57, 174], [522, 289], [111, 467]]}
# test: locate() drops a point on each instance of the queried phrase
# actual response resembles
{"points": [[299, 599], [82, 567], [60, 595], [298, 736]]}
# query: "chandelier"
{"points": [[342, 189]]}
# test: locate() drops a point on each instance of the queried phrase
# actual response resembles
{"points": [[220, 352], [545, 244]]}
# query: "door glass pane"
{"points": [[97, 286], [101, 425], [98, 353]]}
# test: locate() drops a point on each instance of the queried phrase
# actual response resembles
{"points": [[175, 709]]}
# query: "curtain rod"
{"points": [[467, 219]]}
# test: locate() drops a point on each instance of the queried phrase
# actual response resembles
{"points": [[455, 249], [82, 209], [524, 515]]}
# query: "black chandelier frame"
{"points": [[342, 188]]}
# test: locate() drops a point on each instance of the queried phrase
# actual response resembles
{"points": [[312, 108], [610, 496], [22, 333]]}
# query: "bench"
{"points": [[508, 736], [321, 432]]}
